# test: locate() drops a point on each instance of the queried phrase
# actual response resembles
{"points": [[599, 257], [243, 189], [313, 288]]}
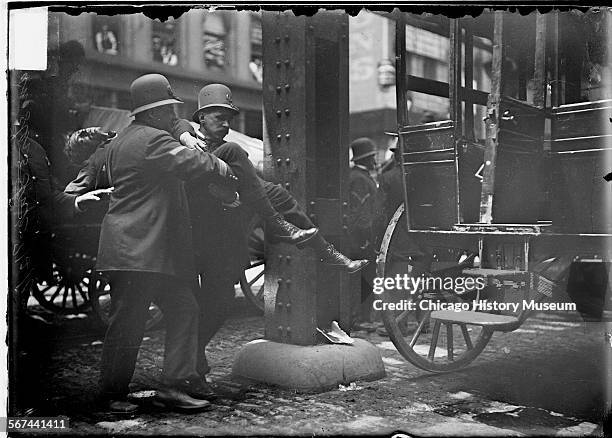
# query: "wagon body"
{"points": [[507, 190]]}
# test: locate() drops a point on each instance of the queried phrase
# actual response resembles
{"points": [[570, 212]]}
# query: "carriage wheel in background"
{"points": [[252, 285], [251, 281], [68, 291], [101, 301], [429, 344]]}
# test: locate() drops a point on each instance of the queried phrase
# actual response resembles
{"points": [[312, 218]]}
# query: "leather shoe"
{"points": [[279, 230], [333, 257], [197, 388], [173, 398]]}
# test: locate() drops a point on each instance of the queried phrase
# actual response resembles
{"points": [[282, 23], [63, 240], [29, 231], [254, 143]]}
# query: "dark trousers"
{"points": [[216, 294], [285, 204], [250, 185], [215, 298], [132, 293]]}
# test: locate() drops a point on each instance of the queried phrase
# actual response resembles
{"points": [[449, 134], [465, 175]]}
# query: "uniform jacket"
{"points": [[220, 233], [147, 226], [392, 190], [365, 215]]}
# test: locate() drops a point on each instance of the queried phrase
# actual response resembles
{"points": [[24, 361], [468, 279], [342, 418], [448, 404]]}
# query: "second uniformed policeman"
{"points": [[145, 245]]}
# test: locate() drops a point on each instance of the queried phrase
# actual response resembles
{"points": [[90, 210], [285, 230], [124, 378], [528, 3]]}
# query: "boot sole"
{"points": [[349, 271], [207, 397], [301, 244], [352, 271]]}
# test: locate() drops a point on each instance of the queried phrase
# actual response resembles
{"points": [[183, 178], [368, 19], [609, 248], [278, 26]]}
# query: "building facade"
{"points": [[201, 46], [372, 75]]}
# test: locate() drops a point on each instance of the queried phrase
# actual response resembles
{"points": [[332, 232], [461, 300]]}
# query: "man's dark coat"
{"points": [[147, 226]]}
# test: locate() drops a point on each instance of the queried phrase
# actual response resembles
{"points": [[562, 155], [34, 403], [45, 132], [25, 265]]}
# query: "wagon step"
{"points": [[498, 277], [490, 320], [496, 273]]}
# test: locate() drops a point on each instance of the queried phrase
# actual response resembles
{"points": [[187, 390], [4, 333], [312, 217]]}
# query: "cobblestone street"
{"points": [[544, 379]]}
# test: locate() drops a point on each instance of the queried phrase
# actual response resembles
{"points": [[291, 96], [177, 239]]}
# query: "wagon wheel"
{"points": [[251, 281], [101, 303], [428, 344], [68, 290]]}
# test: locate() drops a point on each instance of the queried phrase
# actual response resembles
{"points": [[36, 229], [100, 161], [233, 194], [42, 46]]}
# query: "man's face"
{"points": [[370, 162], [162, 117], [215, 123]]}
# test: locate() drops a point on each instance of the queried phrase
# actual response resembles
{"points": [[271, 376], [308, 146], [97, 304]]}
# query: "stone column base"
{"points": [[314, 368]]}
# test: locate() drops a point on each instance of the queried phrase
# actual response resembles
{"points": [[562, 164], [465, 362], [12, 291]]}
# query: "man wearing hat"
{"points": [[222, 263], [146, 245], [391, 186], [363, 196], [365, 221]]}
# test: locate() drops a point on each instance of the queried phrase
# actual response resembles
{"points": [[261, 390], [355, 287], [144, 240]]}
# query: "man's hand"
{"points": [[82, 202], [226, 195], [192, 142]]}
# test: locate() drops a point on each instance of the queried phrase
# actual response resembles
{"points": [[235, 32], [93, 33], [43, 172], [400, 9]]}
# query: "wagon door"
{"points": [[515, 120], [436, 99]]}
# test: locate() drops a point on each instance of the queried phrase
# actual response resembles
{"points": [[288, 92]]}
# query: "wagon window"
{"points": [[585, 72], [426, 54], [482, 56], [426, 108], [427, 63]]}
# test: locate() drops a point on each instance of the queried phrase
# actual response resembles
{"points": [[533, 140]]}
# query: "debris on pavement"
{"points": [[350, 387]]}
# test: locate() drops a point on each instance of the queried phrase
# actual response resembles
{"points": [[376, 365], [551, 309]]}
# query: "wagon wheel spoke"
{"points": [[74, 297], [402, 316], [466, 337], [56, 293], [449, 341], [257, 277], [46, 289], [65, 296], [83, 294], [434, 341], [419, 330], [260, 293]]}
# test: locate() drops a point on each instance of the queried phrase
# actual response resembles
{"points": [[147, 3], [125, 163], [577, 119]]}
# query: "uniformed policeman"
{"points": [[366, 221], [146, 245], [220, 261], [214, 115]]}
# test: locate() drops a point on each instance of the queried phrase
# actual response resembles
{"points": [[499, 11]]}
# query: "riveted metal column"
{"points": [[305, 94], [290, 292]]}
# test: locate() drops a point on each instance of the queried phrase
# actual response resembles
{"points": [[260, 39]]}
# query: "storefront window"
{"points": [[256, 63], [213, 40], [106, 34], [163, 42]]}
